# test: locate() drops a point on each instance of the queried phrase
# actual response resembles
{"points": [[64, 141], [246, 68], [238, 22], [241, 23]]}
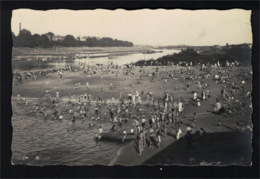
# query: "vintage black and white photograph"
{"points": [[131, 87]]}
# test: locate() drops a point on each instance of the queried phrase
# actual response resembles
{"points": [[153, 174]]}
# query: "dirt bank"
{"points": [[25, 51]]}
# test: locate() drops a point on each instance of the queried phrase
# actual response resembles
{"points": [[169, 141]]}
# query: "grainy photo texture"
{"points": [[131, 87]]}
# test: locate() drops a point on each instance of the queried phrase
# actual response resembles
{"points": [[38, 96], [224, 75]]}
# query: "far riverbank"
{"points": [[25, 51]]}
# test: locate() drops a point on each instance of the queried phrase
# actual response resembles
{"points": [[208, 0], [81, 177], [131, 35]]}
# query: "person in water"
{"points": [[100, 132], [98, 137], [113, 128]]}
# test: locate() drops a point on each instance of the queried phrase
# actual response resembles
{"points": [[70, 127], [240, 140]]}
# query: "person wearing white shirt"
{"points": [[195, 96], [179, 134]]}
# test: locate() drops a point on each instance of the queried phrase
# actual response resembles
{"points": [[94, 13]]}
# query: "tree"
{"points": [[25, 38], [36, 40], [44, 41], [241, 52], [15, 40], [91, 42], [50, 35], [69, 41]]}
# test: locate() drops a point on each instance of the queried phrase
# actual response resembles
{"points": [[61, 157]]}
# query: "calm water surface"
{"points": [[117, 59]]}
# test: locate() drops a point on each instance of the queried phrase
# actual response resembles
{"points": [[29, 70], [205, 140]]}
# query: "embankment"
{"points": [[25, 51]]}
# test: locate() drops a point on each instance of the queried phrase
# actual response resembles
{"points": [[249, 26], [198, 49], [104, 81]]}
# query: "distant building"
{"points": [[58, 37], [82, 38]]}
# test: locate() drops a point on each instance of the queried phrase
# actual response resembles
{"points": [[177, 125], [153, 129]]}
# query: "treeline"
{"points": [[26, 39], [240, 53]]}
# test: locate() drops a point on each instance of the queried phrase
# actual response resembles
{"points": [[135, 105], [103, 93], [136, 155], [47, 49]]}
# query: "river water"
{"points": [[53, 142], [60, 142], [116, 59]]}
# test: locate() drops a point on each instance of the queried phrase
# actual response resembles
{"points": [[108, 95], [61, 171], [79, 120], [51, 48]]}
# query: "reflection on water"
{"points": [[115, 59]]}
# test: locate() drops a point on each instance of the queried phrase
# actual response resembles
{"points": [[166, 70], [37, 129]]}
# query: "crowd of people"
{"points": [[139, 112]]}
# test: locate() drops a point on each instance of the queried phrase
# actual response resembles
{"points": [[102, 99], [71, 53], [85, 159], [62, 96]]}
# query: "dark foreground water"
{"points": [[50, 142]]}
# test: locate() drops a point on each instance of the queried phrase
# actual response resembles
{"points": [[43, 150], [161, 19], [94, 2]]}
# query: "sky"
{"points": [[142, 27]]}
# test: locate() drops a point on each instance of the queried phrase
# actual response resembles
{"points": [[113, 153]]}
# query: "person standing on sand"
{"points": [[132, 131], [124, 135], [73, 118], [129, 97], [57, 94], [144, 138], [198, 102], [143, 120], [127, 114], [100, 132], [194, 119], [195, 96], [60, 74], [208, 94], [188, 86], [87, 85], [202, 95], [158, 137], [179, 134], [133, 99], [151, 137], [217, 106], [96, 110], [188, 139], [180, 106], [140, 142]]}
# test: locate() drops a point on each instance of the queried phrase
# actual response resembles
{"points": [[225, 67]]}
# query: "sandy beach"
{"points": [[33, 91]]}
